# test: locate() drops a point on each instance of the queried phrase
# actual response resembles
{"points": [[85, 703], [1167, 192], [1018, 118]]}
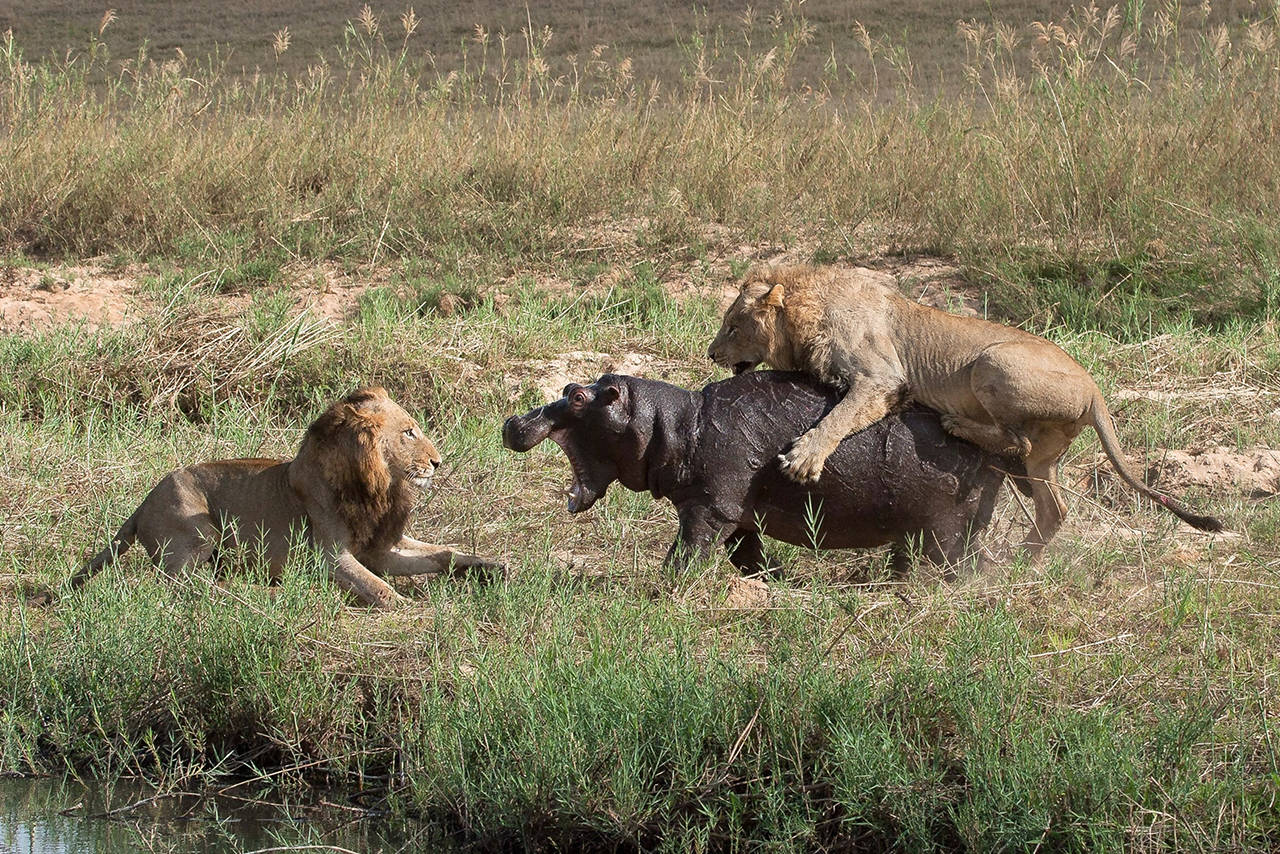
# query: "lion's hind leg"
{"points": [[1048, 443], [190, 542], [995, 438], [1050, 509]]}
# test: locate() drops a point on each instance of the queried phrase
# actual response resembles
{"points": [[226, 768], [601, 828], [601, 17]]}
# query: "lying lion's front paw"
{"points": [[389, 601], [485, 569], [476, 567], [801, 466]]}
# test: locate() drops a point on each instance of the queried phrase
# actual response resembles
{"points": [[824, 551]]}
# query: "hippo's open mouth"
{"points": [[581, 494], [743, 367]]}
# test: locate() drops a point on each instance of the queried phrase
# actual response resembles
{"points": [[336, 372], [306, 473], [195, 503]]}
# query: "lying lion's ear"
{"points": [[774, 297], [755, 288], [352, 414], [361, 419]]}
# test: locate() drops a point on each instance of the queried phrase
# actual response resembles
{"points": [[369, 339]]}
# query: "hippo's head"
{"points": [[595, 427]]}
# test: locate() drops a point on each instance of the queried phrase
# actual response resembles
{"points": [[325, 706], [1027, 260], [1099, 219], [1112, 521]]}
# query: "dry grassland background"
{"points": [[200, 252]]}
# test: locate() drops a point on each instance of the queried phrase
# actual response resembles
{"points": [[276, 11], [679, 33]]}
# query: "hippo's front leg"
{"points": [[702, 531]]}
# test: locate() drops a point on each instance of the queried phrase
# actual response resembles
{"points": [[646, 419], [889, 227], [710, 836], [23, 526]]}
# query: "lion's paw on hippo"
{"points": [[903, 481]]}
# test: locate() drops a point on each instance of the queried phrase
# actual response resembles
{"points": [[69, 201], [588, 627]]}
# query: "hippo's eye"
{"points": [[578, 397]]}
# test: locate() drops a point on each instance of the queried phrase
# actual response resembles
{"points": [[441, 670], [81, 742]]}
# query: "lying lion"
{"points": [[349, 489], [1005, 390]]}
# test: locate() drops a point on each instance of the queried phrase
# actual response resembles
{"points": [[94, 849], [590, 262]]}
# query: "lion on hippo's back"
{"points": [[1003, 389]]}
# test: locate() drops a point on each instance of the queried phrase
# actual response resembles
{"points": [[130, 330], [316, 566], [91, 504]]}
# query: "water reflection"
{"points": [[50, 816]]}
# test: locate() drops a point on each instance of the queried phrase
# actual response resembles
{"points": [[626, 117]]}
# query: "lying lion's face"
{"points": [[748, 331], [368, 442], [409, 454]]}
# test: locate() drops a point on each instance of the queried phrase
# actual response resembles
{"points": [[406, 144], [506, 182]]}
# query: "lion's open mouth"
{"points": [[742, 367]]}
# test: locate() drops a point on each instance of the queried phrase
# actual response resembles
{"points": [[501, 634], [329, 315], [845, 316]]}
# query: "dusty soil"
{"points": [[550, 376], [95, 295], [746, 594], [33, 299], [1252, 473]]}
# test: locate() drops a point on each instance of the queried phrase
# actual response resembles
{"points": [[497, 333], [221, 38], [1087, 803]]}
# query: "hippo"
{"points": [[714, 453]]}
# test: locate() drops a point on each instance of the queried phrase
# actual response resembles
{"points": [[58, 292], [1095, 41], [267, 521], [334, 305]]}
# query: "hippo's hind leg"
{"points": [[947, 547], [747, 554]]}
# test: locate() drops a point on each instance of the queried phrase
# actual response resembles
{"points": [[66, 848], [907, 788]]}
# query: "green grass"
{"points": [[1122, 695], [1117, 697]]}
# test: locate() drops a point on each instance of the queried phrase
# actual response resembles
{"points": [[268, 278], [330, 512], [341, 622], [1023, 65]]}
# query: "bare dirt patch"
{"points": [[746, 594], [331, 291], [550, 376], [935, 282], [1216, 471], [1254, 473], [32, 300]]}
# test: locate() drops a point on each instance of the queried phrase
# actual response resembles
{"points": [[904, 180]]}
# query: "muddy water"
{"points": [[43, 816]]}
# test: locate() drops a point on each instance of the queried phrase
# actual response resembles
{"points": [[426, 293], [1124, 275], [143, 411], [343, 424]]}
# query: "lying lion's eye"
{"points": [[733, 330], [409, 433]]}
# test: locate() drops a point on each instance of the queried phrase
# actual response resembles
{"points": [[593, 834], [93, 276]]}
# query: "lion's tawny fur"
{"points": [[349, 492], [374, 506], [1002, 388]]}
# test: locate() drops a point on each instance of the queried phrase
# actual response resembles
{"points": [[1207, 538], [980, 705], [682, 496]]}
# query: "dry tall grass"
{"points": [[1119, 145]]}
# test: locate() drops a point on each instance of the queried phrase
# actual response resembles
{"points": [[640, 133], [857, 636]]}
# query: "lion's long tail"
{"points": [[120, 543], [1111, 445]]}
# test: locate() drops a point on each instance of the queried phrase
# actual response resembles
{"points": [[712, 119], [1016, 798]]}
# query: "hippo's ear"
{"points": [[607, 395]]}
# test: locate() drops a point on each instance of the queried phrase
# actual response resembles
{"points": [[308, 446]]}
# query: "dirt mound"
{"points": [[746, 594], [329, 290], [934, 282], [1254, 473], [33, 299], [550, 376]]}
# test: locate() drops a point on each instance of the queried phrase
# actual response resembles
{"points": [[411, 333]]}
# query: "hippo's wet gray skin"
{"points": [[714, 454]]}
